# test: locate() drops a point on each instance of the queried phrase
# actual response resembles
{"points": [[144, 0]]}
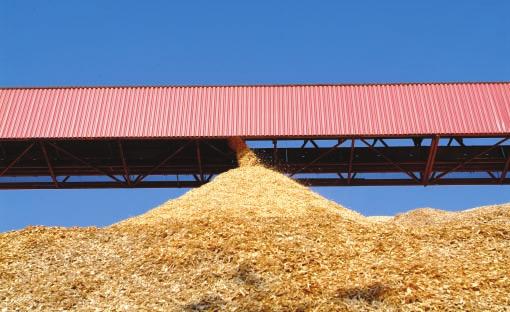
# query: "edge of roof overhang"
{"points": [[268, 137], [332, 84]]}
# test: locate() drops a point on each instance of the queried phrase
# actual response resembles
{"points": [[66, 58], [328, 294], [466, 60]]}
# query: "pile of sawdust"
{"points": [[248, 192], [422, 217], [254, 239]]}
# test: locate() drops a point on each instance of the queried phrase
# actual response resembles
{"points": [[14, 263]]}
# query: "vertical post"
{"points": [[199, 160], [124, 163], [430, 160], [351, 156], [505, 170], [48, 162]]}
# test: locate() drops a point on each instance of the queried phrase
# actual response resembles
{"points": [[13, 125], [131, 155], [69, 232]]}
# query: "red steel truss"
{"points": [[315, 161]]}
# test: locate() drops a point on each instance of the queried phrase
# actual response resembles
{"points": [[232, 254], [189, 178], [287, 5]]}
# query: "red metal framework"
{"points": [[345, 161], [323, 135]]}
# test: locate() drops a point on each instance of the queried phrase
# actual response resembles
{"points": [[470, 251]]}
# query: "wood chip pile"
{"points": [[254, 239]]}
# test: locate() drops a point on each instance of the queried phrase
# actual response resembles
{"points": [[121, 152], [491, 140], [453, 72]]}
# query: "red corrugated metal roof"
{"points": [[256, 111]]}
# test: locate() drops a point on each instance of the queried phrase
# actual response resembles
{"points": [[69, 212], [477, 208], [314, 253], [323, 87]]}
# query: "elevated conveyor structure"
{"points": [[322, 135]]}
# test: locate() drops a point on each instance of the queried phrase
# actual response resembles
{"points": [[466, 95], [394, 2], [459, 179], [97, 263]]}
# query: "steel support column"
{"points": [[505, 170], [48, 162], [124, 163], [430, 160], [351, 158], [199, 160]]}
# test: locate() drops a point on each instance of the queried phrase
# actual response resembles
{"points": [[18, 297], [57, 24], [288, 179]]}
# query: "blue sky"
{"points": [[67, 42]]}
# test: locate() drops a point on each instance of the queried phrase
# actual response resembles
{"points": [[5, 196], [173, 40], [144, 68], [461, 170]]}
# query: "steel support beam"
{"points": [[397, 182], [430, 160], [351, 158], [199, 160], [492, 175], [12, 163], [504, 172], [124, 163], [48, 162], [196, 183], [83, 161], [318, 158], [86, 163], [470, 159], [410, 174], [164, 161], [226, 154]]}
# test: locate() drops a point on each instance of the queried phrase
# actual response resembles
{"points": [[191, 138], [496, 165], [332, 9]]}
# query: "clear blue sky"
{"points": [[55, 43]]}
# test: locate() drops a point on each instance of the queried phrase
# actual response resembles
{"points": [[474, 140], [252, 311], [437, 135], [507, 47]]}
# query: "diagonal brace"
{"points": [[226, 154], [318, 157], [58, 148], [430, 160], [48, 162], [394, 164], [12, 163], [124, 163], [163, 162], [470, 159], [505, 170]]}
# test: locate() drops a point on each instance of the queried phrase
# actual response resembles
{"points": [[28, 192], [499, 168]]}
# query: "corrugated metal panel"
{"points": [[256, 111]]}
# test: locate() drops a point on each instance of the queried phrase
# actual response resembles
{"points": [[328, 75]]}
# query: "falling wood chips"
{"points": [[254, 239]]}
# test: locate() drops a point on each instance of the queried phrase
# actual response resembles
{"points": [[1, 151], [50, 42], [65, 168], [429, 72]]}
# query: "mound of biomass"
{"points": [[254, 239], [249, 193], [422, 217]]}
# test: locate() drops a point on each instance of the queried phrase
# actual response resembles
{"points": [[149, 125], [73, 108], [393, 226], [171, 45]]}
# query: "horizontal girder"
{"points": [[35, 164]]}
